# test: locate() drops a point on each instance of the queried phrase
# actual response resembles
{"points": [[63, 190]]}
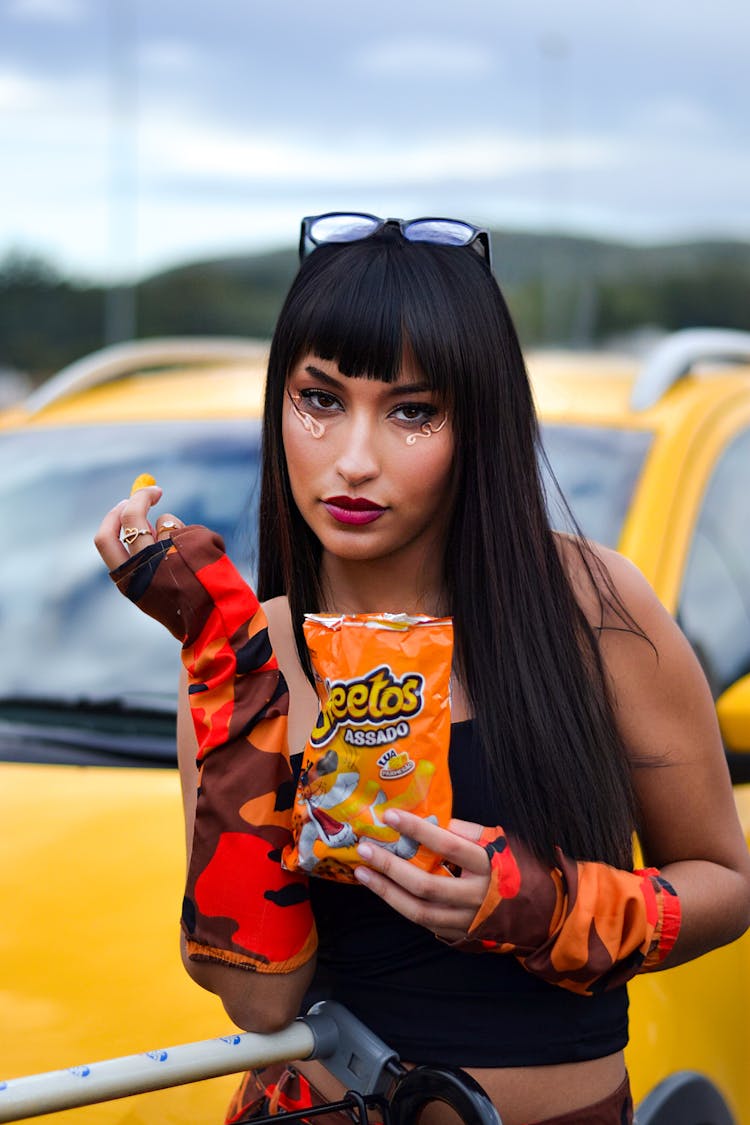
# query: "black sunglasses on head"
{"points": [[342, 226]]}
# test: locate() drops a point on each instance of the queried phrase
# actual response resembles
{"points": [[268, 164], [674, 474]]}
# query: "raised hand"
{"points": [[126, 528]]}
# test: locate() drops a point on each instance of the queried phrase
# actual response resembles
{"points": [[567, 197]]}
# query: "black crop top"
{"points": [[435, 1004]]}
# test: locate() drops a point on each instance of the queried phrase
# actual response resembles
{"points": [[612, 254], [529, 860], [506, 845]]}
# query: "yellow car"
{"points": [[91, 854], [654, 460]]}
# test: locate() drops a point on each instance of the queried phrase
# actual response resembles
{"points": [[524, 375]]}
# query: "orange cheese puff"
{"points": [[380, 742], [142, 481]]}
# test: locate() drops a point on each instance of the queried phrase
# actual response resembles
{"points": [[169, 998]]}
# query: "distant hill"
{"points": [[242, 295], [562, 289], [519, 257]]}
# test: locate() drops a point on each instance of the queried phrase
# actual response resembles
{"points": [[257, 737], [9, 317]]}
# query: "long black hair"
{"points": [[527, 656]]}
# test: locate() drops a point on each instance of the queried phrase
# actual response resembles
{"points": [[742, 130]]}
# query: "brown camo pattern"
{"points": [[585, 926], [240, 906]]}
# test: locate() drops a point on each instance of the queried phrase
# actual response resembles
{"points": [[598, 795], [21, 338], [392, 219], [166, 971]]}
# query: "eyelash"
{"points": [[310, 394], [311, 397]]}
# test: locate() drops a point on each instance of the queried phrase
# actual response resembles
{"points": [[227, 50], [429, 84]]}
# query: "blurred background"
{"points": [[155, 159]]}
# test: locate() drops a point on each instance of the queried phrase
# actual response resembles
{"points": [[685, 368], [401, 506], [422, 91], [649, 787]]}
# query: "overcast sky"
{"points": [[136, 134]]}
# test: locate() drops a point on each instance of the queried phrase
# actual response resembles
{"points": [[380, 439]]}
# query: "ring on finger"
{"points": [[166, 525], [130, 534]]}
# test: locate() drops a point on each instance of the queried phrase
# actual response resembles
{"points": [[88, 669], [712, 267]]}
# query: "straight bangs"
{"points": [[368, 305]]}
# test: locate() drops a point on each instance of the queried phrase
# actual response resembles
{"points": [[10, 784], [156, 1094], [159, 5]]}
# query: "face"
{"points": [[369, 462]]}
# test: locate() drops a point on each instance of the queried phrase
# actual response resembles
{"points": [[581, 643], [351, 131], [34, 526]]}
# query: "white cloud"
{"points": [[167, 55], [423, 58], [675, 116], [209, 154], [59, 11], [18, 92]]}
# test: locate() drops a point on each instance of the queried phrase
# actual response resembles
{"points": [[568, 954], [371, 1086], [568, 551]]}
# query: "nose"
{"points": [[358, 458]]}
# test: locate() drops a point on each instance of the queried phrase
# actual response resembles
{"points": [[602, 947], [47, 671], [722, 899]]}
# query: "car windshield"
{"points": [[67, 635], [78, 668], [596, 469]]}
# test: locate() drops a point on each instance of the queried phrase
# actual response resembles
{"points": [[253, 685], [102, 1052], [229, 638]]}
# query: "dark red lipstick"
{"points": [[353, 510]]}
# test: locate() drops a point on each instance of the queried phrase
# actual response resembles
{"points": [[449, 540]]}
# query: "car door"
{"points": [[714, 601]]}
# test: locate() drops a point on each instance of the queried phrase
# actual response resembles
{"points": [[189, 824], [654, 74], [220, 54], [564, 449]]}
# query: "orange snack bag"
{"points": [[380, 742]]}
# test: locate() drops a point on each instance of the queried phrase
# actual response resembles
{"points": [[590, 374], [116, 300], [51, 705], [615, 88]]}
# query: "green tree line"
{"points": [[561, 289]]}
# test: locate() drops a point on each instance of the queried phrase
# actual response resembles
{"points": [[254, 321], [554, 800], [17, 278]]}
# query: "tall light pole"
{"points": [[553, 50], [120, 317]]}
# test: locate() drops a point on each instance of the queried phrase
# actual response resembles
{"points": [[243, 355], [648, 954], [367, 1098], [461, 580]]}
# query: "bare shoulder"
{"points": [[665, 714], [611, 591], [656, 683]]}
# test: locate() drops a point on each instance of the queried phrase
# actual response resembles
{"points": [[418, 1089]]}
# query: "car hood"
{"points": [[91, 873]]}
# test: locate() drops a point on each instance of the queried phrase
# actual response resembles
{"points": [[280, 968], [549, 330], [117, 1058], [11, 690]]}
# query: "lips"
{"points": [[353, 510]]}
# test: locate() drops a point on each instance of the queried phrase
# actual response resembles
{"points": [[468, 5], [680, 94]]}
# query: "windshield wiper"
{"points": [[127, 703], [120, 730]]}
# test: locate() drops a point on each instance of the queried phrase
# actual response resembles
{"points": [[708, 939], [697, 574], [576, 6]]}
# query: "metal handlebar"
{"points": [[368, 1068]]}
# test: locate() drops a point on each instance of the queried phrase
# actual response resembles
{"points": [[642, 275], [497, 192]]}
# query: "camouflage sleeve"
{"points": [[240, 907], [582, 925]]}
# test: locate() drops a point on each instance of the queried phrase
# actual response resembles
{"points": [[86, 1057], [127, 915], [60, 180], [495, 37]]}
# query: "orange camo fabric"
{"points": [[582, 925], [240, 907]]}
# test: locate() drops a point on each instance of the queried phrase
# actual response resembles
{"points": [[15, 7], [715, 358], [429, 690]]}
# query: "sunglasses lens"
{"points": [[353, 226], [342, 228], [451, 232]]}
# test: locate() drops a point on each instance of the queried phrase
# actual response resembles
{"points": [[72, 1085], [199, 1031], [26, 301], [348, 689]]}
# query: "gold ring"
{"points": [[130, 534], [167, 525]]}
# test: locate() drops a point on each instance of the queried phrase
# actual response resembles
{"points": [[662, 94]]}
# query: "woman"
{"points": [[400, 474]]}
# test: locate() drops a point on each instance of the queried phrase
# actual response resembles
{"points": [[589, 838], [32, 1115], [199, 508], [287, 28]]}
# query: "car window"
{"points": [[714, 606], [67, 633], [69, 636], [596, 469]]}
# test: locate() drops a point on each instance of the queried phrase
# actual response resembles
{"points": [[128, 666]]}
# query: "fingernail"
{"points": [[362, 874], [392, 817], [365, 850]]}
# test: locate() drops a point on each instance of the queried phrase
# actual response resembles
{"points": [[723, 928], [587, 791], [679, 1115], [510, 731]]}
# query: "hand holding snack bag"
{"points": [[381, 740]]}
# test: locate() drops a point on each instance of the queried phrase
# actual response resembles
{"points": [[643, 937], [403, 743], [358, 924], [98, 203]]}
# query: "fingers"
{"points": [[415, 893], [407, 876], [136, 531], [107, 539], [458, 846], [465, 828], [126, 529], [445, 906], [415, 881], [166, 524]]}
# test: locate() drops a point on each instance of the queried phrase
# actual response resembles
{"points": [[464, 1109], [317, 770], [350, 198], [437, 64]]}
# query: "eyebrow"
{"points": [[395, 389], [316, 373]]}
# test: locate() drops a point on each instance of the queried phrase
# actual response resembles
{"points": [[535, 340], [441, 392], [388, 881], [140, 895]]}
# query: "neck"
{"points": [[381, 586]]}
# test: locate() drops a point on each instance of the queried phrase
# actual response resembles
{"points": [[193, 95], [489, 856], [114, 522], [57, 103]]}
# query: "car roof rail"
{"points": [[118, 360], [678, 353]]}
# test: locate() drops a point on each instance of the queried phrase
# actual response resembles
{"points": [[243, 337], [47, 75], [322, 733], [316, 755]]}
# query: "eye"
{"points": [[322, 402], [414, 413]]}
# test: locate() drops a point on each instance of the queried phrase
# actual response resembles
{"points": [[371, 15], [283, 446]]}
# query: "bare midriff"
{"points": [[522, 1094]]}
